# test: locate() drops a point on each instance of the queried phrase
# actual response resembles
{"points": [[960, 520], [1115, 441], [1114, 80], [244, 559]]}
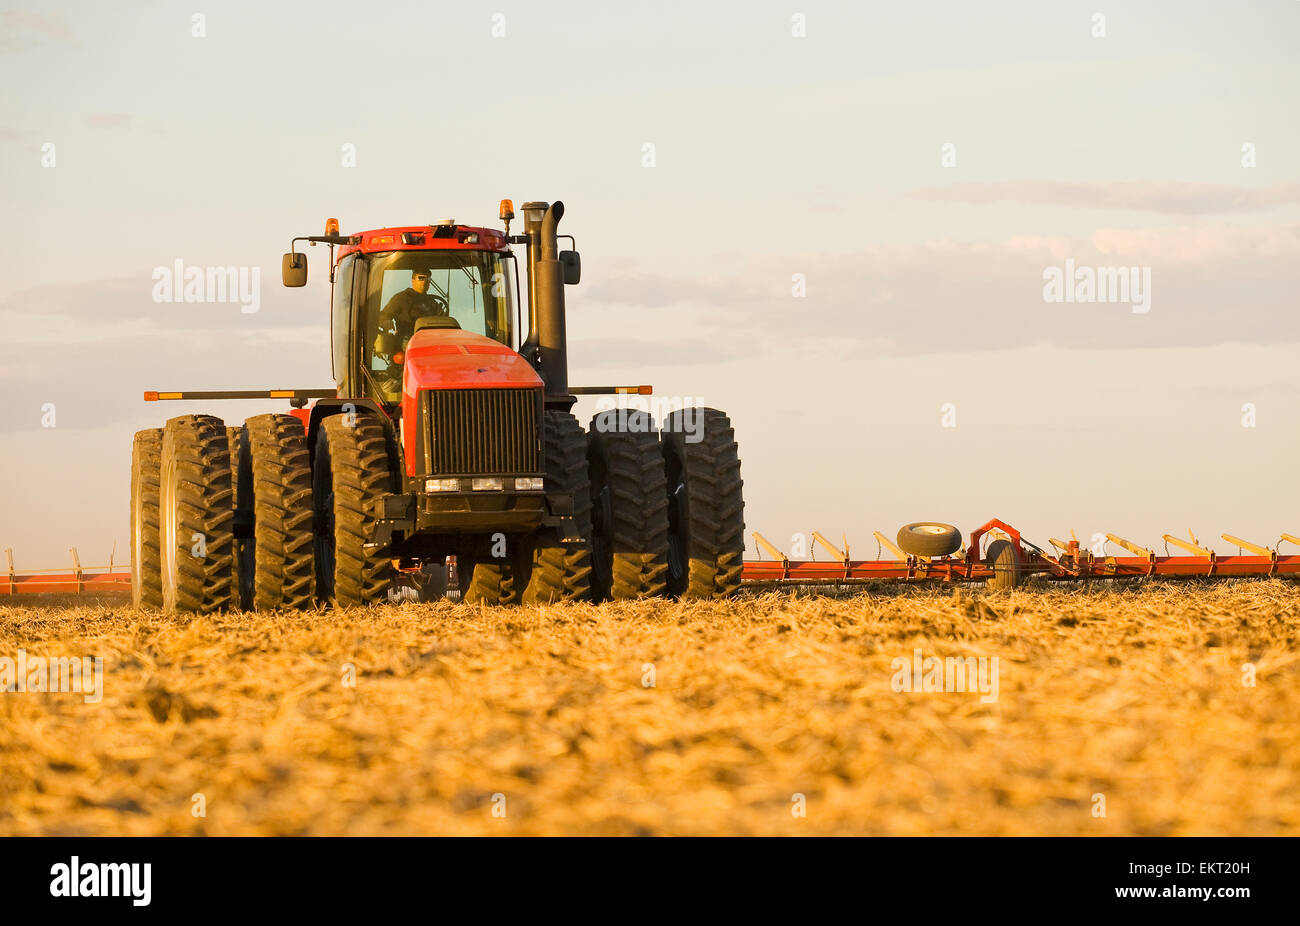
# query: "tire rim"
{"points": [[929, 529]]}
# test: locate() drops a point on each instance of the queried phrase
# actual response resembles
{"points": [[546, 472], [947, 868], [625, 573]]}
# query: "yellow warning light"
{"points": [[507, 210], [331, 226]]}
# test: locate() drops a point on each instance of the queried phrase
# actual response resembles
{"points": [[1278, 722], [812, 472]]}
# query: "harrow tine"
{"points": [[1252, 547], [771, 550], [1189, 547], [842, 557], [1130, 546], [885, 542]]}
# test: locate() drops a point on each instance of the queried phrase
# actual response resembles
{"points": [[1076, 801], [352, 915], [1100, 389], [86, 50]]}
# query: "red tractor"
{"points": [[449, 438]]}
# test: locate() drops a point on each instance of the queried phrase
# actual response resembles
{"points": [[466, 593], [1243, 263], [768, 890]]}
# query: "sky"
{"points": [[836, 222]]}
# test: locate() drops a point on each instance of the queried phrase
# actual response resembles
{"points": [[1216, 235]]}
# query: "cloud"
{"points": [[24, 30], [91, 348], [599, 355], [97, 383], [1210, 284], [108, 120], [101, 307], [1147, 196]]}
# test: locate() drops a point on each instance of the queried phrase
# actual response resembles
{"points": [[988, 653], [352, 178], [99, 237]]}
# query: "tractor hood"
{"points": [[442, 358]]}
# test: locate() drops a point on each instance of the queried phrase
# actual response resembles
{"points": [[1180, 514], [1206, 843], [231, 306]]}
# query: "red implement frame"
{"points": [[1072, 563], [967, 566], [77, 582]]}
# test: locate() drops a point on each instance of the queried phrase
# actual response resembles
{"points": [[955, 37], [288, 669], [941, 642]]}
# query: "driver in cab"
{"points": [[404, 308]]}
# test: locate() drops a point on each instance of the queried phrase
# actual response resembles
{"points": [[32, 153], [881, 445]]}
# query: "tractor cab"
{"points": [[383, 295]]}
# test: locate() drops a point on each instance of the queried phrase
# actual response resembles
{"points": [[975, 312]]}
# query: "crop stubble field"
{"points": [[1135, 694]]}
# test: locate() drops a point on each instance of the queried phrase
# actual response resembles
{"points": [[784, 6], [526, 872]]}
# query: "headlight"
{"points": [[441, 485], [488, 485], [529, 484]]}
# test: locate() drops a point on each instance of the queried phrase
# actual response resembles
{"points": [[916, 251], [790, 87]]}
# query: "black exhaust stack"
{"points": [[547, 344]]}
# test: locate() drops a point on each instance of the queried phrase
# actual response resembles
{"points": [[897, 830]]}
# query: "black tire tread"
{"points": [[284, 567], [715, 535], [631, 560], [359, 468], [561, 571], [241, 572], [146, 463], [200, 453], [490, 582]]}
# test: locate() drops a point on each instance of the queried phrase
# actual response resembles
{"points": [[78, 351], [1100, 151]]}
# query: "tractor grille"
{"points": [[479, 431]]}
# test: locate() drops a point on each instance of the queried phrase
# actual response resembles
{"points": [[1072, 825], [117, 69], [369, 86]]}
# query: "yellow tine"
{"points": [[1131, 547], [1190, 547], [1245, 545], [887, 543], [828, 545], [771, 550]]}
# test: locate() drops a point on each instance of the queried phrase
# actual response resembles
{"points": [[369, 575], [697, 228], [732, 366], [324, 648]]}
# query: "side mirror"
{"points": [[293, 269], [571, 263]]}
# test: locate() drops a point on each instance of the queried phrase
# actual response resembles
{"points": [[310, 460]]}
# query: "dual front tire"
{"points": [[221, 518], [660, 513], [353, 469]]}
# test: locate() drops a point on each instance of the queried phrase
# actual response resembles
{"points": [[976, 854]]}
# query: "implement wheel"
{"points": [[1001, 555], [706, 507], [196, 515], [929, 538], [629, 503], [146, 568], [352, 470]]}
